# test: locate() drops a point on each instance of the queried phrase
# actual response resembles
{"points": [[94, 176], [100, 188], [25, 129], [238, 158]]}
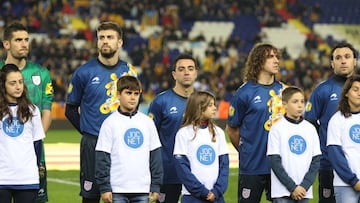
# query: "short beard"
{"points": [[107, 55], [19, 58]]}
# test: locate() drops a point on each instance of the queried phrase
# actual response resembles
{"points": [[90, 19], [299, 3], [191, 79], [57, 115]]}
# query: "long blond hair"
{"points": [[196, 105]]}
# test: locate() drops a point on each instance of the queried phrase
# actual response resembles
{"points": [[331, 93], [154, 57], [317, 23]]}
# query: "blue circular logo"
{"points": [[297, 144], [355, 133], [13, 129], [133, 138], [205, 154]]}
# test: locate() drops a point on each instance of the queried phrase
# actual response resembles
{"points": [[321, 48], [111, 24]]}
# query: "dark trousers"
{"points": [[326, 187], [19, 196]]}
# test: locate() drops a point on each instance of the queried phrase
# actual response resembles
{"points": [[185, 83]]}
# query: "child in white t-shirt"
{"points": [[293, 151], [343, 143], [20, 130], [201, 152], [128, 166]]}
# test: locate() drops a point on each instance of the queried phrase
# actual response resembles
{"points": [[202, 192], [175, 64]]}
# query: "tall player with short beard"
{"points": [[93, 90]]}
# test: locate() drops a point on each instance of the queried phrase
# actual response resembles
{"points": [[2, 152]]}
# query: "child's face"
{"points": [[14, 86], [354, 97], [295, 106], [129, 100], [210, 111]]}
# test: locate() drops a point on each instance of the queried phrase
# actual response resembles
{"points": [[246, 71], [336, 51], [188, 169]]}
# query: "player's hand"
{"points": [[153, 196], [210, 197], [107, 197], [299, 193], [357, 186]]}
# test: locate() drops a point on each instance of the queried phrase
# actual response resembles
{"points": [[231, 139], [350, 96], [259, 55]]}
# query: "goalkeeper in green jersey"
{"points": [[38, 82]]}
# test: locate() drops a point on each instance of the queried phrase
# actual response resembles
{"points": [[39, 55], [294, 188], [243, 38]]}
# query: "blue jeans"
{"points": [[130, 198], [346, 194]]}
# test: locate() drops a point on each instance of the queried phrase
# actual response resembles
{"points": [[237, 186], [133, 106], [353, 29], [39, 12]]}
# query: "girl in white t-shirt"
{"points": [[343, 143], [20, 130], [201, 152]]}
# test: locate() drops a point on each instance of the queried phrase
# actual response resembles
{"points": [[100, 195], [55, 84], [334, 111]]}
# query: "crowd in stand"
{"points": [[221, 67]]}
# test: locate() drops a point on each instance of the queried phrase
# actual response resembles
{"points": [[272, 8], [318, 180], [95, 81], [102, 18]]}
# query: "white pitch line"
{"points": [[63, 181]]}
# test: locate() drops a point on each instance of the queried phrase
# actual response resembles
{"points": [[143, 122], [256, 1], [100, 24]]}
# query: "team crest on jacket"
{"points": [[87, 185], [162, 197], [326, 192], [36, 79], [245, 193]]}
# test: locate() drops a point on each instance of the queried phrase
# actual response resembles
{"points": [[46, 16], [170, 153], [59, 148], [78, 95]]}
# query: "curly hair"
{"points": [[256, 60]]}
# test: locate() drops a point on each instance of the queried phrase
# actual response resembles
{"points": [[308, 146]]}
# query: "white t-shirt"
{"points": [[129, 140], [18, 163], [297, 144], [345, 132], [203, 154]]}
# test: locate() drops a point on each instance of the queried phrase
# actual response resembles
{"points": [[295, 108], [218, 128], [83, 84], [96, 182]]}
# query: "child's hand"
{"points": [[357, 186], [153, 196], [210, 197], [299, 193], [106, 197]]}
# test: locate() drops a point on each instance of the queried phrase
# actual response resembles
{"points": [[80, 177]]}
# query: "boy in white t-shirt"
{"points": [[293, 151], [128, 166]]}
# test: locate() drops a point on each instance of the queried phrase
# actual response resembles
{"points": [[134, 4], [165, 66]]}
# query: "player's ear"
{"points": [[120, 42], [6, 44], [332, 64]]}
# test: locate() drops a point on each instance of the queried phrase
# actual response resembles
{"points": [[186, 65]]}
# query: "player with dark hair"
{"points": [[92, 97], [322, 105], [167, 111], [39, 85], [257, 100]]}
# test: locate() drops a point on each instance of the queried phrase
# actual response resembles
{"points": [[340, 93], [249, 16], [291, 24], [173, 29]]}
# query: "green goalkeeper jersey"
{"points": [[38, 82]]}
